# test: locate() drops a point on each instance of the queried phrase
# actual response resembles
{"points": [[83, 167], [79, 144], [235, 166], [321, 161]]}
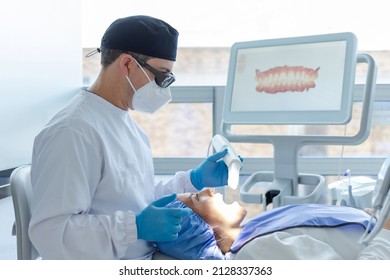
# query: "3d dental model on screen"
{"points": [[286, 78]]}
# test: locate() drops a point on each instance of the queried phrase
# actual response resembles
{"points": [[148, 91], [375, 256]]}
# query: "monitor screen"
{"points": [[300, 80]]}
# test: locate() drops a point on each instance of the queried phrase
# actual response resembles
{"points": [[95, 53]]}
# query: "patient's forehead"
{"points": [[187, 199]]}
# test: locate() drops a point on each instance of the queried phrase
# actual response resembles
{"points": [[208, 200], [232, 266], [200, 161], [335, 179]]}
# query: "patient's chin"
{"points": [[235, 213]]}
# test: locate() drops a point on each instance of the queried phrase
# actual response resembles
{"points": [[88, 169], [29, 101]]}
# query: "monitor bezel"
{"points": [[341, 116]]}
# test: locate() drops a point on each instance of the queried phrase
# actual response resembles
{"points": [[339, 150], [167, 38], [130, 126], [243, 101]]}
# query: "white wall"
{"points": [[40, 69]]}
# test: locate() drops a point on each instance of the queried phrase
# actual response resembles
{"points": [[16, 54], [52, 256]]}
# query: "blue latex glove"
{"points": [[212, 172], [159, 223]]}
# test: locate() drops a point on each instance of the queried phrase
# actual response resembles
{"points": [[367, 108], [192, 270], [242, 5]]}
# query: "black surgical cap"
{"points": [[142, 34]]}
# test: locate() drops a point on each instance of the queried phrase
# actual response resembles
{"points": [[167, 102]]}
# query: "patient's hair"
{"points": [[196, 239]]}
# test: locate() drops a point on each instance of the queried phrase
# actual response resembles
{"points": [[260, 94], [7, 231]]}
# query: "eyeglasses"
{"points": [[162, 79]]}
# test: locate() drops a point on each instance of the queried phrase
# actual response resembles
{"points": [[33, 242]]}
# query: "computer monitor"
{"points": [[298, 80]]}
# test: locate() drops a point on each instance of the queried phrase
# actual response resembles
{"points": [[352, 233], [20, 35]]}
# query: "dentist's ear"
{"points": [[125, 62]]}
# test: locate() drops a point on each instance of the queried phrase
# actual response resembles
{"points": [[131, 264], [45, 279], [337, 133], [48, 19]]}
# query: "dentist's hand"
{"points": [[158, 223], [212, 172]]}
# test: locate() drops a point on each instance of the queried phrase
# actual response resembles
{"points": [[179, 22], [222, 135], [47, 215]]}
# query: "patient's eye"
{"points": [[196, 196]]}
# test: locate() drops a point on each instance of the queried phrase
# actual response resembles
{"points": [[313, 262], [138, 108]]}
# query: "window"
{"points": [[206, 34], [178, 129]]}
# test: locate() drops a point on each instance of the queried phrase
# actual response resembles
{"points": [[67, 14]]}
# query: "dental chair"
{"points": [[21, 191]]}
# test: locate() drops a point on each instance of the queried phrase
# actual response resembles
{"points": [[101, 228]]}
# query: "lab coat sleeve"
{"points": [[180, 183], [66, 168], [378, 248]]}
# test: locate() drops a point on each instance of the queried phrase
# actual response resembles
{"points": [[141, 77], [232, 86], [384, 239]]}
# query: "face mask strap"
{"points": [[128, 79]]}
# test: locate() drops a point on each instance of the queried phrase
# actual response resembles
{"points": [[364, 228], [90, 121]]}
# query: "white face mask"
{"points": [[150, 97]]}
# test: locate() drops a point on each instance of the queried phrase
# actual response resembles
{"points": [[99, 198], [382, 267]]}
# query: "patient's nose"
{"points": [[207, 192]]}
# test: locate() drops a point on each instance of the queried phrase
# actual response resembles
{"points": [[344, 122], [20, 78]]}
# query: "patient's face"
{"points": [[211, 207]]}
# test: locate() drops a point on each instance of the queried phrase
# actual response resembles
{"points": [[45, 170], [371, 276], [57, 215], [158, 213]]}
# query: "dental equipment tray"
{"points": [[262, 188]]}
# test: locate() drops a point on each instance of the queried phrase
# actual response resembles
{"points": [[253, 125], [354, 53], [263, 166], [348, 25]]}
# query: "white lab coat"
{"points": [[92, 172]]}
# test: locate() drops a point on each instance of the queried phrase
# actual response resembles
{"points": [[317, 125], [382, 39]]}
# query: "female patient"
{"points": [[311, 231]]}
